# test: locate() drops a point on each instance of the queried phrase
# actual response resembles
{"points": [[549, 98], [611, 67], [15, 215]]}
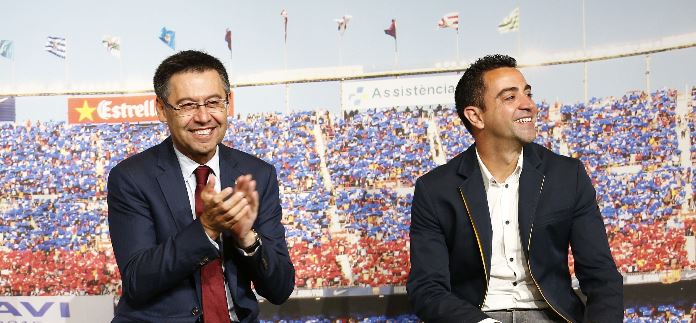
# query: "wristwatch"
{"points": [[251, 250]]}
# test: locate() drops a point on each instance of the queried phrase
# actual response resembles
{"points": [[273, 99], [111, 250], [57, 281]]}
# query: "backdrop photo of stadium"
{"points": [[346, 184]]}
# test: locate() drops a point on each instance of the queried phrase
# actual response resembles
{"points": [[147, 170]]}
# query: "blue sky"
{"points": [[313, 41]]}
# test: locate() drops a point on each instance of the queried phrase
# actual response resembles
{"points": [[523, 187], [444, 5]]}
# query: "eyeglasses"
{"points": [[189, 107]]}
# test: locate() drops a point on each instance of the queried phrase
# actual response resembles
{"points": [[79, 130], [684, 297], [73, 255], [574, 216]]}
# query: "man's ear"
{"points": [[474, 115], [160, 110], [230, 105]]}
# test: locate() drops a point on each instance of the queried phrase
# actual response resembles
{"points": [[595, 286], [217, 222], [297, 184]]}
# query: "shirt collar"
{"points": [[488, 177], [188, 165]]}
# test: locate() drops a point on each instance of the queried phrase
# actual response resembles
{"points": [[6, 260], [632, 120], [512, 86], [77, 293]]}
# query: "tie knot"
{"points": [[202, 173]]}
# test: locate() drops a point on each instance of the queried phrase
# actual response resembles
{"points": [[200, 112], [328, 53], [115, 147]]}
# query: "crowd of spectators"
{"points": [[635, 129], [691, 128], [383, 214], [58, 272], [286, 141], [648, 247], [662, 313], [640, 196], [347, 219], [376, 148], [453, 135]]}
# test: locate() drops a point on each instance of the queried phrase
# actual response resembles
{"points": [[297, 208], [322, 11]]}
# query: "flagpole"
{"points": [[14, 83], [120, 69], [584, 54], [340, 49], [396, 53], [457, 45], [231, 62], [285, 65], [519, 38], [67, 74]]}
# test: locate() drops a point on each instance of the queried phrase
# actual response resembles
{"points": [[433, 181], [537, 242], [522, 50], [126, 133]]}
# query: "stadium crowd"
{"points": [[347, 218], [667, 313], [635, 129], [375, 148]]}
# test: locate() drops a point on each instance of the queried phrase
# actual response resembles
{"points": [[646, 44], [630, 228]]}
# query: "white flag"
{"points": [[343, 23], [449, 20], [511, 22], [113, 45]]}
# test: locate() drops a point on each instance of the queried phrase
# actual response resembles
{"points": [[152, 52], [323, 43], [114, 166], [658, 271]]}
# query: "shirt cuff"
{"points": [[213, 242]]}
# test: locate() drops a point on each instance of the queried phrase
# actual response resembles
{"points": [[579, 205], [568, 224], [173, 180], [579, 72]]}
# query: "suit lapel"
{"points": [[172, 185], [476, 203], [228, 167], [531, 185]]}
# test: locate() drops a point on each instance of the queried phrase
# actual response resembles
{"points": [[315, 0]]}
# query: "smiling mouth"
{"points": [[203, 132], [524, 120]]}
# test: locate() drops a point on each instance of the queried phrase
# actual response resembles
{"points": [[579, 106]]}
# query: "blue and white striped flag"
{"points": [[56, 46]]}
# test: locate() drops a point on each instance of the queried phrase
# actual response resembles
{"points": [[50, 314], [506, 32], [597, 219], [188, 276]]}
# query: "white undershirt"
{"points": [[510, 285]]}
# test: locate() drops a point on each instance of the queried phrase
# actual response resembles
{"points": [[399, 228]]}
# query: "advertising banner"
{"points": [[57, 309], [112, 109], [399, 92]]}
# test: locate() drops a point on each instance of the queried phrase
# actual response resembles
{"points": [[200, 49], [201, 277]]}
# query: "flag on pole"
{"points": [[113, 45], [167, 37], [449, 20], [6, 49], [56, 46], [343, 23], [228, 39], [284, 14], [391, 31], [511, 22]]}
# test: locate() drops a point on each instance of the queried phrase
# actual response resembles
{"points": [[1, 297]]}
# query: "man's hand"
{"points": [[240, 225], [232, 210]]}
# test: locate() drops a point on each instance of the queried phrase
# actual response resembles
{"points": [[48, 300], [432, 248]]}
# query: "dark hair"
{"points": [[471, 87], [186, 61]]}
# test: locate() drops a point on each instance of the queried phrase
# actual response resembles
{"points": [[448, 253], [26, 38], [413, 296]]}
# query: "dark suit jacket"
{"points": [[451, 240], [159, 248]]}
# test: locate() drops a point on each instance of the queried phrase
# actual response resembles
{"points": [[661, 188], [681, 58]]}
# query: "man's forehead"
{"points": [[192, 78], [188, 74], [504, 77]]}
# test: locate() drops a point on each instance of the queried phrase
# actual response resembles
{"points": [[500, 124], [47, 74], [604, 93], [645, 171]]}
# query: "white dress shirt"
{"points": [[510, 285]]}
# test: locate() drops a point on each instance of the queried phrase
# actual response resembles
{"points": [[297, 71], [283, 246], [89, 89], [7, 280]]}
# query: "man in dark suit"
{"points": [[194, 223], [490, 229]]}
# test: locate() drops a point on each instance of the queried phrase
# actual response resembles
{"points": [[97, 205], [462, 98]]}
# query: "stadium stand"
{"points": [[346, 185]]}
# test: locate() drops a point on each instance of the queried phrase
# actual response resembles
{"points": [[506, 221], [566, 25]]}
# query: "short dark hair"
{"points": [[471, 87], [187, 61]]}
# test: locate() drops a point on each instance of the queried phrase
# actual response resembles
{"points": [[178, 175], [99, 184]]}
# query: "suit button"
{"points": [[203, 261], [195, 311]]}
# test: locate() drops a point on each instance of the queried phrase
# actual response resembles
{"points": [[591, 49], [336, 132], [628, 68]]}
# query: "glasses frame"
{"points": [[180, 112]]}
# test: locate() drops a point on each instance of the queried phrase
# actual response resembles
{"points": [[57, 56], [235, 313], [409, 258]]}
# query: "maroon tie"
{"points": [[212, 281]]}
